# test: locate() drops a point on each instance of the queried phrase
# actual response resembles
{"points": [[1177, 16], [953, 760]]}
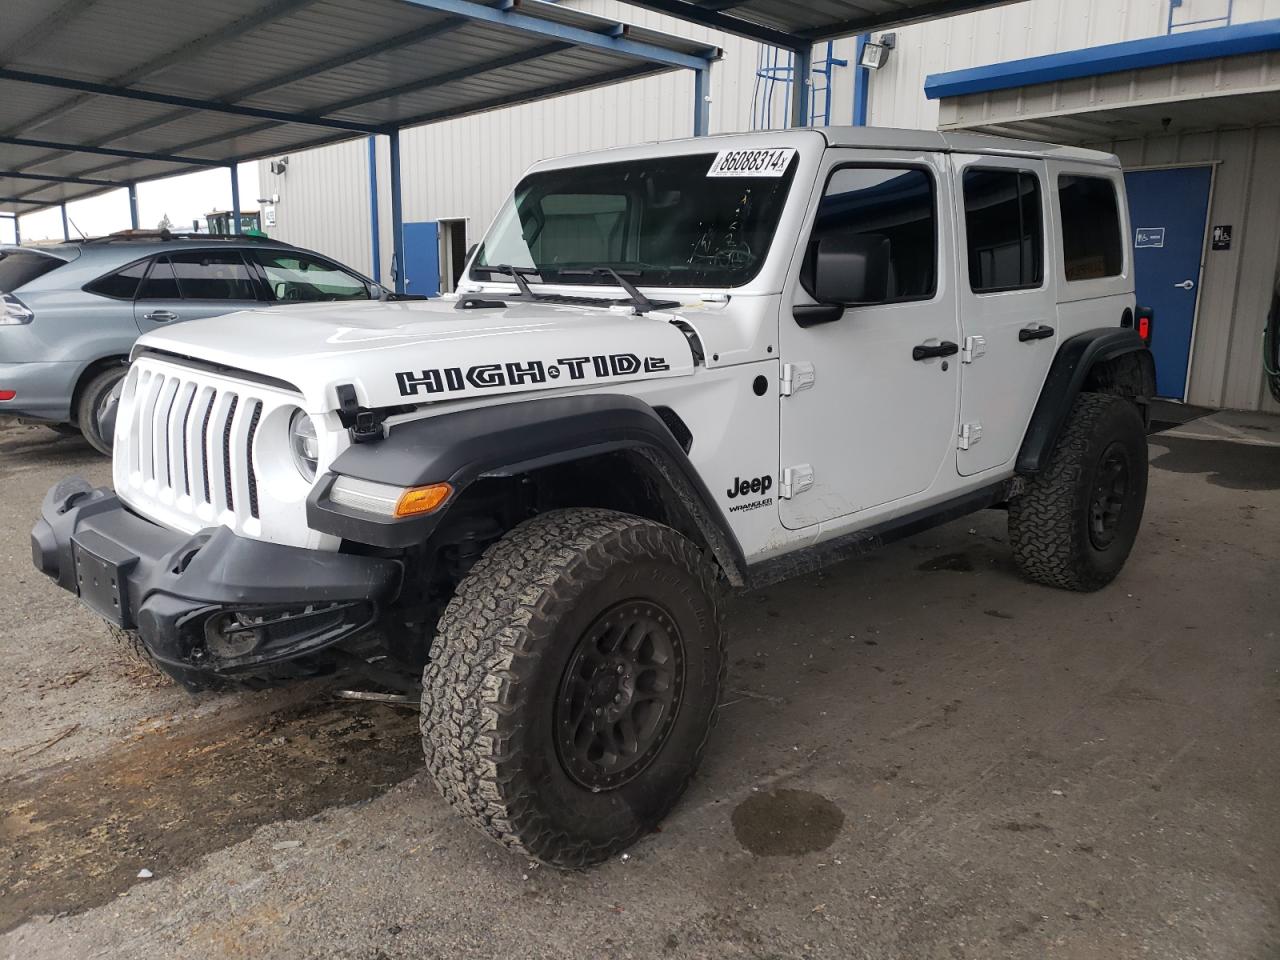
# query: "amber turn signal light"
{"points": [[419, 500]]}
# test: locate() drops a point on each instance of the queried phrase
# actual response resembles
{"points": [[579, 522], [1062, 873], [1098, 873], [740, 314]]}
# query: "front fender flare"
{"points": [[510, 439]]}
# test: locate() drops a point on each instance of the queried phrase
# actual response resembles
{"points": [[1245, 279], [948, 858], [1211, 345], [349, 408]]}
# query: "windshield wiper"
{"points": [[516, 274], [641, 303]]}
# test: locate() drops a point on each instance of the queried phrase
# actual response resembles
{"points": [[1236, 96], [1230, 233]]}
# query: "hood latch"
{"points": [[364, 425]]}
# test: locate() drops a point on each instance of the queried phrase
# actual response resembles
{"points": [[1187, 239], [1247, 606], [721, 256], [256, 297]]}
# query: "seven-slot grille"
{"points": [[190, 445]]}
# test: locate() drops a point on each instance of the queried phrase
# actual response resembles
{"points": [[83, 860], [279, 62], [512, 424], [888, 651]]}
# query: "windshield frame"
{"points": [[594, 275]]}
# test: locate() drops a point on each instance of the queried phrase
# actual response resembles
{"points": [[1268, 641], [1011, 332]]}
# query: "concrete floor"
{"points": [[919, 755]]}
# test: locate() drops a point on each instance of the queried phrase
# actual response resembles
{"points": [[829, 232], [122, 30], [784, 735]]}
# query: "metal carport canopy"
{"points": [[101, 94], [797, 26]]}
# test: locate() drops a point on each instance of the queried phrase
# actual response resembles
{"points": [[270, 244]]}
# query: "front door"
{"points": [[422, 258], [1168, 210], [870, 419]]}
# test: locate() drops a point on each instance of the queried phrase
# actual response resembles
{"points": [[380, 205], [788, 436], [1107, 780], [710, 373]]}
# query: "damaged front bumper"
{"points": [[212, 603]]}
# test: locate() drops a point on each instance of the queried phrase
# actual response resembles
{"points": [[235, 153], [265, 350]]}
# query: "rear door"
{"points": [[191, 285], [1008, 304]]}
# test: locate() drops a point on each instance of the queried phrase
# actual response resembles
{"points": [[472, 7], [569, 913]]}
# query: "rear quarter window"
{"points": [[1092, 247], [20, 267], [121, 285]]}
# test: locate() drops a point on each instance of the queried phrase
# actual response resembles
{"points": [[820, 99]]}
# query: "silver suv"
{"points": [[69, 313]]}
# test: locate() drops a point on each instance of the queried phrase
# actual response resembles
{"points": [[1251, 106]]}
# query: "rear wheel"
{"points": [[1074, 525], [573, 683], [92, 396]]}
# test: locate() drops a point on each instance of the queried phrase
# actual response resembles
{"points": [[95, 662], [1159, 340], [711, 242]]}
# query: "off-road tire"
{"points": [[500, 656], [1050, 522], [91, 396]]}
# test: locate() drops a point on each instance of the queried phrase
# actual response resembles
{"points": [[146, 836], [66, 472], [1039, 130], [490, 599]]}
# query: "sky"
{"points": [[185, 198]]}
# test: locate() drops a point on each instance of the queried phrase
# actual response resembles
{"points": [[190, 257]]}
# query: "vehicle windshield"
{"points": [[663, 222]]}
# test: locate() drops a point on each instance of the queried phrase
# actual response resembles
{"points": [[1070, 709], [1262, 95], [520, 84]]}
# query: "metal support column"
{"points": [[702, 101], [397, 215], [801, 77], [17, 230], [375, 229], [235, 199], [861, 83], [133, 205], [66, 229]]}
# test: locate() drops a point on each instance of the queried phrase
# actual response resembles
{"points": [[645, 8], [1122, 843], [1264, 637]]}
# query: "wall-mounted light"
{"points": [[278, 167], [875, 53]]}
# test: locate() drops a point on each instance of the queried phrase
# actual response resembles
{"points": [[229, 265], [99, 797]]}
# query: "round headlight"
{"points": [[304, 444]]}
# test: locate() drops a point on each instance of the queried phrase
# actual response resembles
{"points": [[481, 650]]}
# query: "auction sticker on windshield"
{"points": [[770, 162]]}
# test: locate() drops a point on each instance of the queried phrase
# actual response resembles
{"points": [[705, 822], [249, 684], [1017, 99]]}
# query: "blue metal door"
{"points": [[1167, 209], [422, 258]]}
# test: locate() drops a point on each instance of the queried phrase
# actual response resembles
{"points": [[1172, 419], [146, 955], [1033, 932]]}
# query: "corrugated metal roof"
{"points": [[236, 80], [787, 23]]}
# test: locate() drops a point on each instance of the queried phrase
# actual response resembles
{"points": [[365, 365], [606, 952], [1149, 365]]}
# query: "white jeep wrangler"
{"points": [[670, 368]]}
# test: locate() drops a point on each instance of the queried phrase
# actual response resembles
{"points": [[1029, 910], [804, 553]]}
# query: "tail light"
{"points": [[13, 311], [1146, 316], [7, 394]]}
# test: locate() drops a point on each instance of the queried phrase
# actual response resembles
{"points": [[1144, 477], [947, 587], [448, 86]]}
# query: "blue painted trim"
{"points": [[397, 215], [1245, 38], [235, 199], [513, 19], [861, 83], [375, 230]]}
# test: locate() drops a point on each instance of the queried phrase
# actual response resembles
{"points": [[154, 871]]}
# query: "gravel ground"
{"points": [[919, 755]]}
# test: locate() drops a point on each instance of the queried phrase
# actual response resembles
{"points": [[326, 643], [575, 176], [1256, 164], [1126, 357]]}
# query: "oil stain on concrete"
{"points": [[1236, 466], [77, 834], [786, 823]]}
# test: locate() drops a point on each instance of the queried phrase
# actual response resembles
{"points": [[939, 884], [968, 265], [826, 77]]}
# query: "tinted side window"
{"points": [[898, 204], [160, 284], [123, 284], [1091, 243], [19, 267], [296, 277], [1003, 222], [213, 275]]}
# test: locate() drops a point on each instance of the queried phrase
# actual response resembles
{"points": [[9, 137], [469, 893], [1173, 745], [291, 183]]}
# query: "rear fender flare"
{"points": [[1076, 357]]}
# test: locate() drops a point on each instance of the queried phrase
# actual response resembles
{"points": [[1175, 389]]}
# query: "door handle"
{"points": [[161, 316], [1040, 332], [927, 351], [1186, 285]]}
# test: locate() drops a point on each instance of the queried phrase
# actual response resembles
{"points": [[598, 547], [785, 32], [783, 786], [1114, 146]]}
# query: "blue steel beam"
{"points": [[30, 203], [701, 102], [535, 93], [66, 229], [375, 229], [133, 205], [50, 178], [708, 17], [801, 77], [861, 83], [191, 103], [513, 19], [105, 152], [397, 215], [235, 199]]}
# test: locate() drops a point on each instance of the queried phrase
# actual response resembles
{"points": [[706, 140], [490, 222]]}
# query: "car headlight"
{"points": [[304, 444]]}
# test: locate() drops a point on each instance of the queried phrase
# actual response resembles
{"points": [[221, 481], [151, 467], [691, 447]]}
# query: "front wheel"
{"points": [[88, 411], [1074, 525], [573, 683]]}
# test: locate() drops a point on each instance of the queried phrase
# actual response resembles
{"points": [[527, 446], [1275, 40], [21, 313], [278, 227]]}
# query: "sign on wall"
{"points": [[1222, 237], [1149, 237]]}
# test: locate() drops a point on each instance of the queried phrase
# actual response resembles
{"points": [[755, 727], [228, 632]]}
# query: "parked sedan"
{"points": [[69, 313]]}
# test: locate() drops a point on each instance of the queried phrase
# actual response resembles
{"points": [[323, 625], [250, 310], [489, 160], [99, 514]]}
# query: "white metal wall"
{"points": [[1030, 29], [1236, 286]]}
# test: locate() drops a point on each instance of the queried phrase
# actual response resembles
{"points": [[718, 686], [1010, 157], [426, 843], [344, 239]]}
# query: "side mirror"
{"points": [[852, 269]]}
